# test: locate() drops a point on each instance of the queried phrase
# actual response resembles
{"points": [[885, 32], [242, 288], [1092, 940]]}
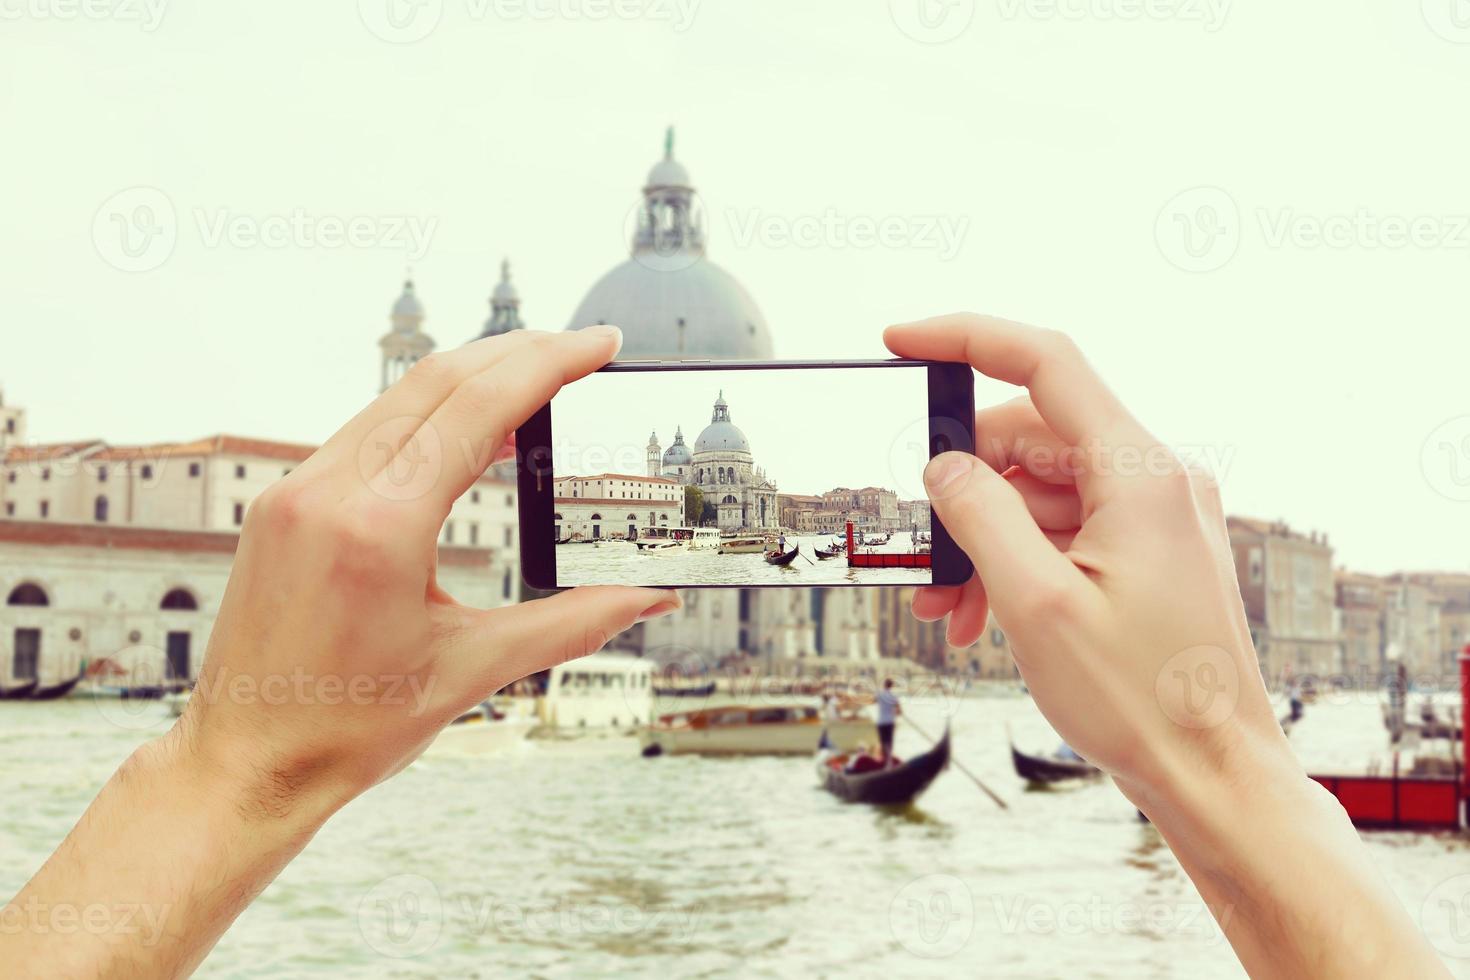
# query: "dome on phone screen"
{"points": [[669, 299], [721, 435]]}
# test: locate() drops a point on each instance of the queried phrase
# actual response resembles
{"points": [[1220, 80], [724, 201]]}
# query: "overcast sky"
{"points": [[1159, 185], [811, 430]]}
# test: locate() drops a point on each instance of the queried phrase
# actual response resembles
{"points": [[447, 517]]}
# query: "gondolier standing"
{"points": [[888, 711]]}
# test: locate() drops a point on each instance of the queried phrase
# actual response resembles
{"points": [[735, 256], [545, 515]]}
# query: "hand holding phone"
{"points": [[769, 474]]}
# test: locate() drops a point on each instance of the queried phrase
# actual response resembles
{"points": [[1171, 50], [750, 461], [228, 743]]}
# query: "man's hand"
{"points": [[1107, 562], [332, 602]]}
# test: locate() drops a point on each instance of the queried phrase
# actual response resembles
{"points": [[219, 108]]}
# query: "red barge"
{"points": [[1410, 802], [907, 559]]}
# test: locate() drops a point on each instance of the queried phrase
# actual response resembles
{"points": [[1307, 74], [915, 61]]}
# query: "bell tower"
{"points": [[12, 424], [406, 342], [655, 456]]}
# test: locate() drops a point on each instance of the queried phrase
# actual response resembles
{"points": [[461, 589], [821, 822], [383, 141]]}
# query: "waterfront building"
{"points": [[914, 515], [1287, 586], [106, 548], [1361, 601], [615, 505]]}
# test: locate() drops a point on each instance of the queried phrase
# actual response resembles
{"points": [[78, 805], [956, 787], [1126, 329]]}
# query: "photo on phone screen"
{"points": [[742, 477]]}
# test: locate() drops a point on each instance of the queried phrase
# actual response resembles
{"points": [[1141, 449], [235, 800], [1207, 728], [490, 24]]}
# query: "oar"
{"points": [[960, 766]]}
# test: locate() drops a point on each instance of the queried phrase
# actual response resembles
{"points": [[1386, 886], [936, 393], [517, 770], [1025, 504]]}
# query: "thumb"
{"points": [[503, 645], [988, 519]]}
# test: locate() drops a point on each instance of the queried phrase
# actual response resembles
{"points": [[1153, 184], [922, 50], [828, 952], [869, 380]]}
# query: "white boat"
{"points": [[601, 691], [743, 729], [754, 544], [656, 540], [176, 702], [484, 730]]}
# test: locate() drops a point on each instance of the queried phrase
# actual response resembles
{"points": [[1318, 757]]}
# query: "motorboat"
{"points": [[745, 729]]}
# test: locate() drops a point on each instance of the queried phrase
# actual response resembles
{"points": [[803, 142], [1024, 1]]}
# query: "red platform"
{"points": [[1408, 802], [897, 560]]}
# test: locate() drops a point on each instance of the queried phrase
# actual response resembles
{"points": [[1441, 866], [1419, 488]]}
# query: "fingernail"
{"points": [[658, 609], [607, 330], [944, 473]]}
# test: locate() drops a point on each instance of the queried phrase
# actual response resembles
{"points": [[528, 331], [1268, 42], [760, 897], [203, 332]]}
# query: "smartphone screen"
{"points": [[750, 476]]}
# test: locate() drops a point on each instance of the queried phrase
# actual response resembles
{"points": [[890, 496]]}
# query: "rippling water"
{"points": [[580, 858], [625, 564]]}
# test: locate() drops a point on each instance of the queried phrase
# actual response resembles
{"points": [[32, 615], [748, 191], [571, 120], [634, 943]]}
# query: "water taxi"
{"points": [[743, 729], [486, 729], [652, 540], [601, 691], [753, 544]]}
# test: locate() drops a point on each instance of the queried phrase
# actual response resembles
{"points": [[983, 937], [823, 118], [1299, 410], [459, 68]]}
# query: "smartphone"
{"points": [[743, 474]]}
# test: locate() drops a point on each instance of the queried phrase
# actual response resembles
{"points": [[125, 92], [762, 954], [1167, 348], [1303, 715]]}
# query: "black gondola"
{"points": [[825, 554], [55, 691], [565, 540], [1050, 769], [776, 558], [885, 787], [19, 692]]}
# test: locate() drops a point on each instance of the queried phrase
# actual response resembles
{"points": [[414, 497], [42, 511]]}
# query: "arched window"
{"points": [[179, 599], [99, 510], [729, 499], [28, 594]]}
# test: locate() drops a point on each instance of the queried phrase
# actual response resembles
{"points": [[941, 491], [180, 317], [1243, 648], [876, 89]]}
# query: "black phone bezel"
{"points": [[951, 427]]}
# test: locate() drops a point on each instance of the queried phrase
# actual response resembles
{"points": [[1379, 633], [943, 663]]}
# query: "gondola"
{"points": [[884, 787], [776, 558], [566, 540], [824, 554], [17, 693], [56, 691], [1049, 769]]}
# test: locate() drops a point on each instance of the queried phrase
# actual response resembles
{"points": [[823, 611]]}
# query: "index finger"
{"points": [[1068, 393]]}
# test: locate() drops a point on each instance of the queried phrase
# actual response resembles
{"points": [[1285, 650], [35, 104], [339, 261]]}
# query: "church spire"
{"points": [[505, 306]]}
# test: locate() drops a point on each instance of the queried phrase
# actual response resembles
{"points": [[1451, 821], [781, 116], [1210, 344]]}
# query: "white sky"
{"points": [[1057, 142], [866, 426]]}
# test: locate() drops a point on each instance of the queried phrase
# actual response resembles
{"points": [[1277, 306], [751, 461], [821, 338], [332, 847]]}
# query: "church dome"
{"points": [[669, 299], [408, 305], [678, 454], [721, 435]]}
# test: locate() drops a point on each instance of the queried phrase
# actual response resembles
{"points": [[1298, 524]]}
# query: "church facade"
{"points": [[723, 468]]}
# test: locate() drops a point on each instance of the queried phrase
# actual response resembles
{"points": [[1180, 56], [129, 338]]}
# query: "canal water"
{"points": [[622, 563], [580, 858]]}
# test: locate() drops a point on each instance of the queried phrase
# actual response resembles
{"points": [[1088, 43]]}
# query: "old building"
{"points": [[1287, 585], [1361, 601], [723, 467], [615, 505]]}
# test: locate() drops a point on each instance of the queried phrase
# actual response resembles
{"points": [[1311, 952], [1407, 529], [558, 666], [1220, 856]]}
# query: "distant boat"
{"points": [[54, 692], [19, 692], [883, 786], [689, 691], [777, 558], [737, 729], [1044, 770], [483, 730], [825, 554], [748, 545]]}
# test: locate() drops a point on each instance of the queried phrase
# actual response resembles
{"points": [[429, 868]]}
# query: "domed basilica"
{"points": [[723, 469]]}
